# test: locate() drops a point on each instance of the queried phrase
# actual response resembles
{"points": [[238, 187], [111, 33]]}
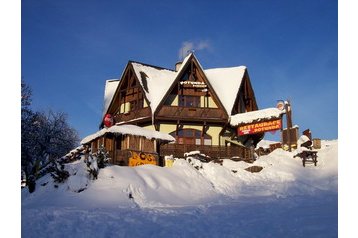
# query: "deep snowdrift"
{"points": [[122, 195]]}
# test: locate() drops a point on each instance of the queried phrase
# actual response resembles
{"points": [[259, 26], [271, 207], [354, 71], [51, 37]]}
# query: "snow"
{"points": [[156, 82], [255, 116], [226, 83], [129, 130], [78, 179], [285, 199], [265, 144], [77, 149], [109, 90]]}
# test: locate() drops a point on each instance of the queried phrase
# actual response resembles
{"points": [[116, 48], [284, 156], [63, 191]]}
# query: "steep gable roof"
{"points": [[191, 58], [226, 83], [156, 82]]}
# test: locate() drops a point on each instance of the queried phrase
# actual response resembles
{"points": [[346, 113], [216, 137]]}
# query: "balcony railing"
{"points": [[134, 114], [174, 112], [178, 150]]}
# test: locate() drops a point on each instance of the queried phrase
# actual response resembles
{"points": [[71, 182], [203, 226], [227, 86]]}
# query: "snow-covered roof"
{"points": [[129, 130], [255, 116], [156, 82], [109, 90], [226, 83]]}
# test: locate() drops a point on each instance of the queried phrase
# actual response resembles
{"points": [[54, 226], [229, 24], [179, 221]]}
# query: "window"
{"points": [[189, 101], [192, 137]]}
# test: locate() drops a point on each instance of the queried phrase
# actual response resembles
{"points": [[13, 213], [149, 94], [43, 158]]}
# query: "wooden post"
{"points": [[289, 123], [114, 149], [140, 143]]}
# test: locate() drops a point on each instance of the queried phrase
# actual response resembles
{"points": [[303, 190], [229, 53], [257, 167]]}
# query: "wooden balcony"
{"points": [[190, 113], [228, 152], [142, 113]]}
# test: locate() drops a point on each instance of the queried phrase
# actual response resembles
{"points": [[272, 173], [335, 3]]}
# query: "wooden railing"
{"points": [[135, 114], [173, 112], [178, 150]]}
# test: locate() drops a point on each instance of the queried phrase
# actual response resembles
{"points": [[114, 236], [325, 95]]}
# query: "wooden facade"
{"points": [[128, 150], [190, 110]]}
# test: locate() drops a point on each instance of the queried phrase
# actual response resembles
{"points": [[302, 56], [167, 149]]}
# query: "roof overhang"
{"points": [[255, 116], [129, 130]]}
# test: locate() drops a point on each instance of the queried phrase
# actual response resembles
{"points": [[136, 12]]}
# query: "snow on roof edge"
{"points": [[226, 92], [128, 130], [157, 82], [253, 116], [110, 89]]}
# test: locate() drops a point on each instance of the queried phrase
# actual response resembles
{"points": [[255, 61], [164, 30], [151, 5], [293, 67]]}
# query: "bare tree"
{"points": [[44, 137]]}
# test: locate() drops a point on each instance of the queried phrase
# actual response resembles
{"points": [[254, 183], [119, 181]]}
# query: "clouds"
{"points": [[188, 46]]}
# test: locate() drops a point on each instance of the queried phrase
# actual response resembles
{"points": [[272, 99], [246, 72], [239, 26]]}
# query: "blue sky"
{"points": [[69, 49]]}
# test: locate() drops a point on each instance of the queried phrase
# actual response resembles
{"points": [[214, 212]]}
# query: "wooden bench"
{"points": [[308, 156]]}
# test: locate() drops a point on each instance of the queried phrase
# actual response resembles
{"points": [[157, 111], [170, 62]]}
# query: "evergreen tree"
{"points": [[92, 167], [102, 157], [59, 173]]}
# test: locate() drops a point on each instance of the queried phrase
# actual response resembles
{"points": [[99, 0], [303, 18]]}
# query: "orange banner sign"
{"points": [[141, 158], [259, 127]]}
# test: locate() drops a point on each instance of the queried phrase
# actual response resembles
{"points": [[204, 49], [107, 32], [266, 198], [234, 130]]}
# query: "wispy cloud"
{"points": [[189, 46]]}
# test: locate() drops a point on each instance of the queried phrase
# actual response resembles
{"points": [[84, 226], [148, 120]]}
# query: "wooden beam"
{"points": [[177, 128], [140, 143]]}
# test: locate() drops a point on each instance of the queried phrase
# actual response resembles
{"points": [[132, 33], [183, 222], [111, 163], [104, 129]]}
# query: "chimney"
{"points": [[177, 65]]}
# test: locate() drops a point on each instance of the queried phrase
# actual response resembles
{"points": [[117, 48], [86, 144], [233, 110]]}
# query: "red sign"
{"points": [[108, 120], [259, 127]]}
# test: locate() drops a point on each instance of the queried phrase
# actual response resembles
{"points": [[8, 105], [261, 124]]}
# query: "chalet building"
{"points": [[192, 104]]}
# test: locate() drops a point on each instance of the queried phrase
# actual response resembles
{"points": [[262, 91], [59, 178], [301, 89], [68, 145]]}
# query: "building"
{"points": [[192, 104], [128, 144]]}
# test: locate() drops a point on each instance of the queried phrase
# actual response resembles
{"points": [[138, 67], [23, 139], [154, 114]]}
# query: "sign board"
{"points": [[140, 158], [191, 84], [108, 120], [259, 127]]}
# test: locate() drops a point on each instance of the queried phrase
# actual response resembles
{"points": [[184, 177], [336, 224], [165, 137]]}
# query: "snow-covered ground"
{"points": [[285, 199]]}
